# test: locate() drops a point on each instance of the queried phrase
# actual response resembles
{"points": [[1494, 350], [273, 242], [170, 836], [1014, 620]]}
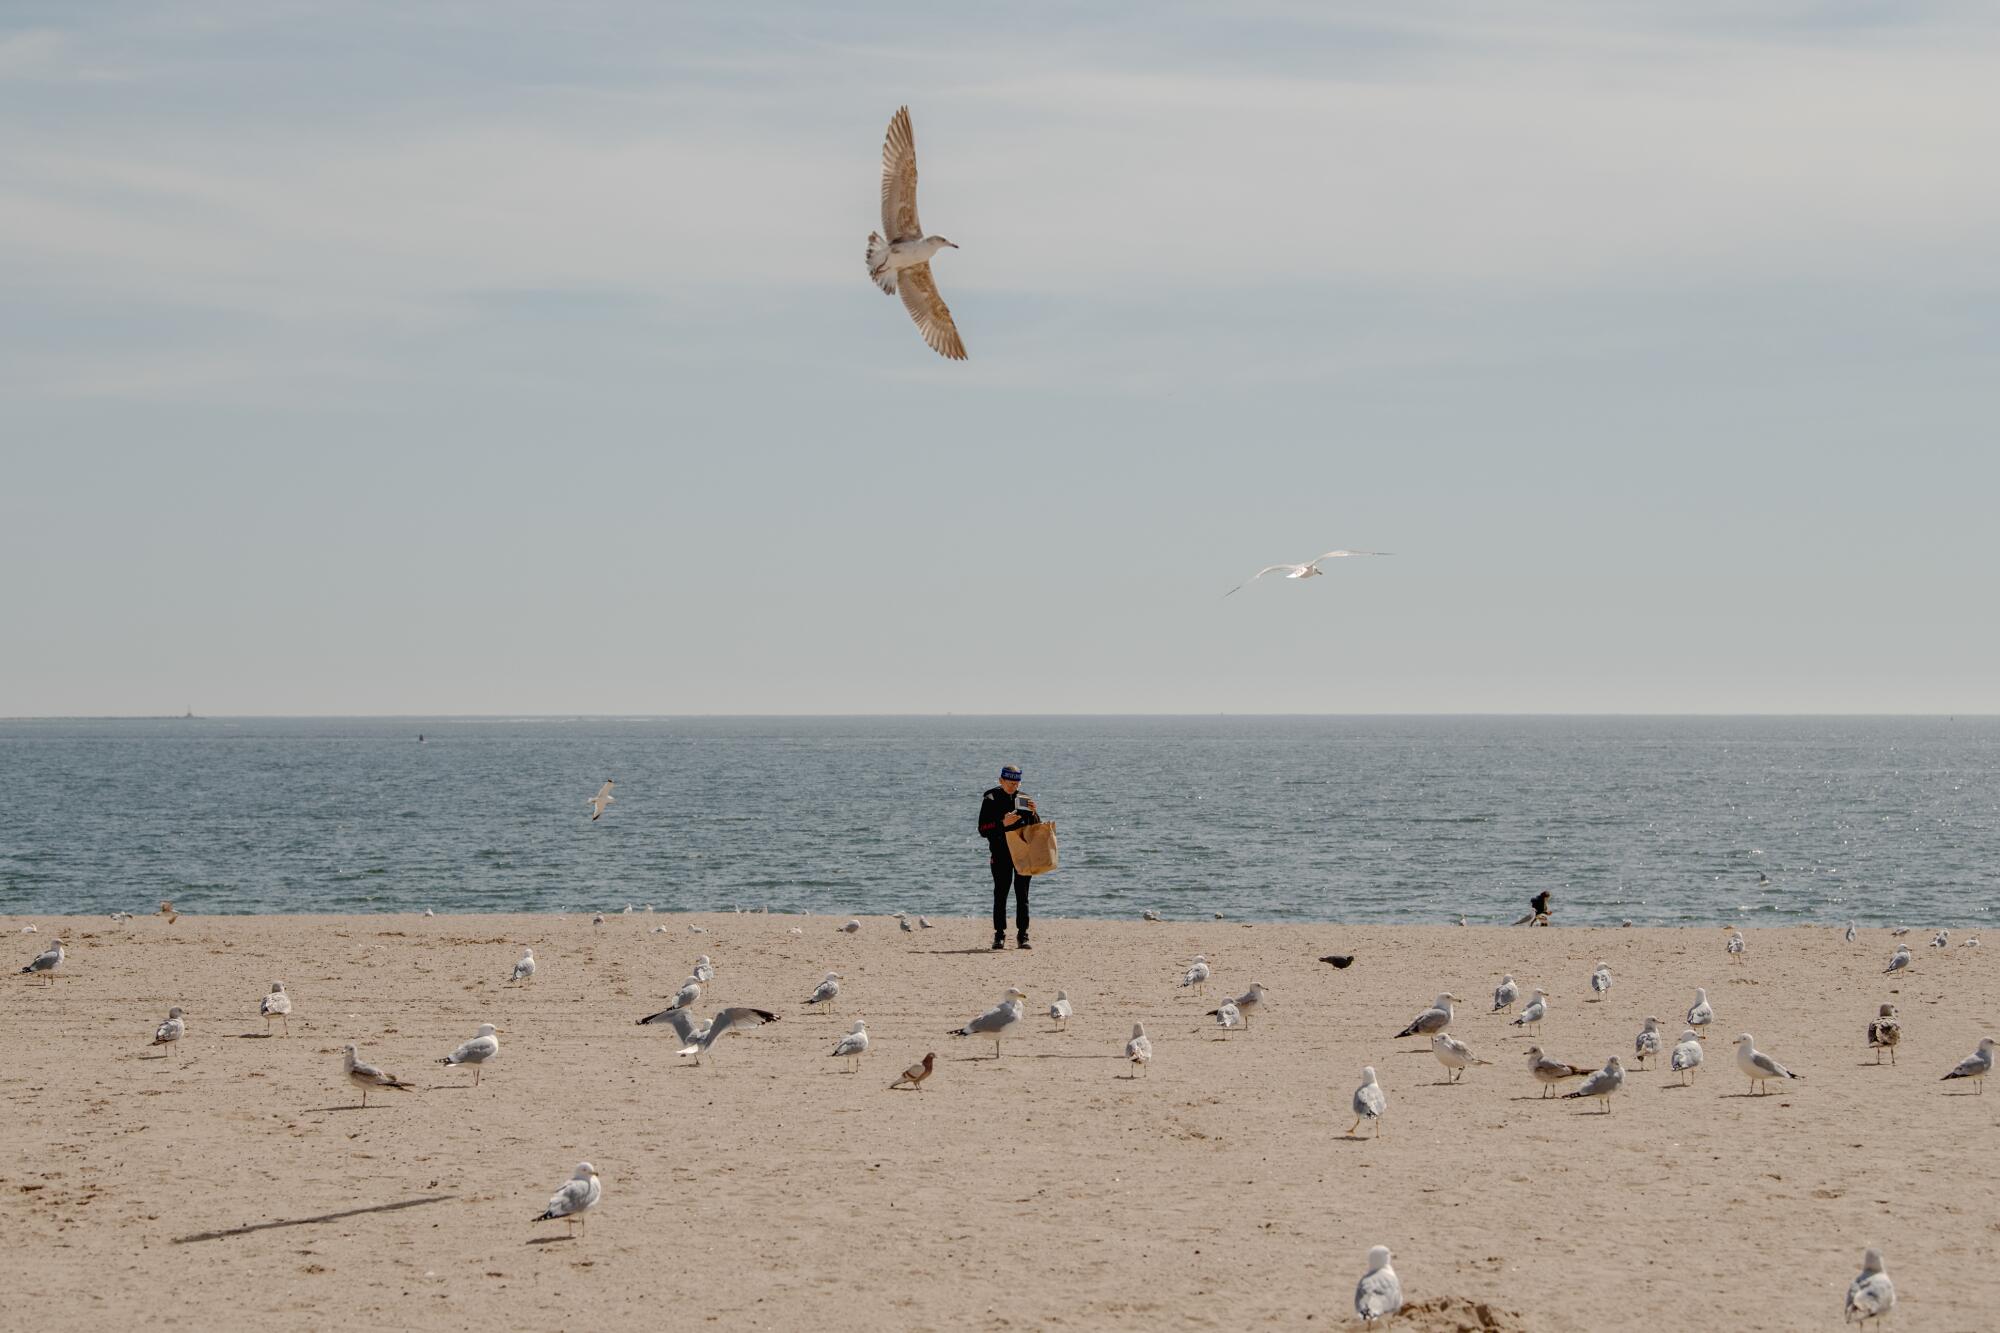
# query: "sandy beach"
{"points": [[231, 1182]]}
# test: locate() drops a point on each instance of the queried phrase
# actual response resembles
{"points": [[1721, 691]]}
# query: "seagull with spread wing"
{"points": [[1309, 570], [900, 264]]}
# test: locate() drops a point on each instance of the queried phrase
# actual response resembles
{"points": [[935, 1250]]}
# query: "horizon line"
{"points": [[669, 717]]}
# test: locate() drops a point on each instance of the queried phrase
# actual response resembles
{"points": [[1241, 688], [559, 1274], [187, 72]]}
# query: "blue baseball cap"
{"points": [[1009, 773]]}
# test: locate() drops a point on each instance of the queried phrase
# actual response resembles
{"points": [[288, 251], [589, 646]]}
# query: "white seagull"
{"points": [[1975, 1066], [1700, 1014], [1647, 1044], [997, 1021], [1379, 1294], [1060, 1010], [1600, 981], [1246, 1003], [1309, 570], [1369, 1103], [724, 1022], [365, 1076], [899, 256], [1871, 1295], [1454, 1055], [1898, 960], [854, 1045], [276, 1005], [1197, 974], [1757, 1066], [704, 970], [46, 962], [603, 798], [1552, 1073], [1505, 994], [827, 990], [1602, 1084], [1534, 1011], [1437, 1018], [525, 968], [170, 1032], [578, 1195], [852, 927], [1687, 1056], [1139, 1050], [1229, 1016], [1735, 945], [476, 1052], [1851, 932]]}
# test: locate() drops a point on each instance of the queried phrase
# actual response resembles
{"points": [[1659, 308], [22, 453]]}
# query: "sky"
{"points": [[507, 358]]}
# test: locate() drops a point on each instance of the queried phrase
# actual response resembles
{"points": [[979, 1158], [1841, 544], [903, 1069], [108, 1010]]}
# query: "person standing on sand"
{"points": [[1000, 809]]}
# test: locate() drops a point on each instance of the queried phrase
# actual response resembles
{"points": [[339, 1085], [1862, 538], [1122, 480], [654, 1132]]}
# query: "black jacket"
{"points": [[994, 806]]}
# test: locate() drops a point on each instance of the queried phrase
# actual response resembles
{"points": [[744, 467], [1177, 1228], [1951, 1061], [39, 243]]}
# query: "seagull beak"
{"points": [[952, 244]]}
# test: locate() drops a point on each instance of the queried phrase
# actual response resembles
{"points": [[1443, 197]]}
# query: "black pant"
{"points": [[1004, 875]]}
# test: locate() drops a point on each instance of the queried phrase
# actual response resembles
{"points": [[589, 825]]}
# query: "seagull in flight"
{"points": [[1309, 570], [602, 799], [899, 256]]}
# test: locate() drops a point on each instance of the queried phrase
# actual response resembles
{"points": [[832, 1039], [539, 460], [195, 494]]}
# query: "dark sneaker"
{"points": [[999, 943], [1022, 943]]}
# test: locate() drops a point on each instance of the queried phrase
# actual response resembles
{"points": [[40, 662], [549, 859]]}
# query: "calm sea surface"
{"points": [[1659, 820]]}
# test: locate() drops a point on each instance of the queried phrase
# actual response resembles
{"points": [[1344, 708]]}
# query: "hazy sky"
{"points": [[519, 358]]}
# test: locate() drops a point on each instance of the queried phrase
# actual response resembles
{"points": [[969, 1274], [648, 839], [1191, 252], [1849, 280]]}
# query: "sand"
{"points": [[234, 1184]]}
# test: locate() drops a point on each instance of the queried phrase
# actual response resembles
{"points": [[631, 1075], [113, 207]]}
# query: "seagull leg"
{"points": [[1354, 1128], [475, 1075]]}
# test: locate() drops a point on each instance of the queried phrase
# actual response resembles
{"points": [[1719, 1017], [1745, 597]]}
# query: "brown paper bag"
{"points": [[1033, 847]]}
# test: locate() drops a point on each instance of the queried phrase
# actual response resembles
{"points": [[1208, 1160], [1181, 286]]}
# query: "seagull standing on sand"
{"points": [[1139, 1050], [1369, 1103], [1600, 981], [1246, 1003], [1647, 1044], [998, 1021], [1975, 1066], [578, 1195], [1602, 1084], [1898, 960], [1551, 1073], [1196, 975], [276, 1005], [1885, 1033], [1229, 1016], [853, 1046], [1060, 1010], [1871, 1295], [903, 924], [1534, 1011], [1757, 1066], [46, 962], [1309, 570], [1700, 1014], [170, 1032], [524, 968], [1454, 1055], [704, 971], [1941, 939], [923, 923], [916, 1073], [827, 990], [365, 1076], [1735, 945], [1851, 932], [603, 798], [899, 256], [1379, 1294], [1505, 994], [484, 1046], [1687, 1056], [1437, 1018], [724, 1022]]}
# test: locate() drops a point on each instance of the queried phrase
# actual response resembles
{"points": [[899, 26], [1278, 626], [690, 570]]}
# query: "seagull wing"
{"points": [[729, 1019], [899, 180], [1268, 569], [927, 308], [1336, 555]]}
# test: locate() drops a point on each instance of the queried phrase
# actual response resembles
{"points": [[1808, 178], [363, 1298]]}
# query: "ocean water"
{"points": [[1655, 820]]}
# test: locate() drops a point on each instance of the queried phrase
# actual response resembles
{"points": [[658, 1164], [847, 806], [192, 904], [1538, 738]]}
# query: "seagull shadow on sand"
{"points": [[551, 1240], [228, 1232]]}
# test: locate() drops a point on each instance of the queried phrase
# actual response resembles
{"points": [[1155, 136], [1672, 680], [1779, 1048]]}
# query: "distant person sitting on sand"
{"points": [[1000, 809], [1539, 910]]}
